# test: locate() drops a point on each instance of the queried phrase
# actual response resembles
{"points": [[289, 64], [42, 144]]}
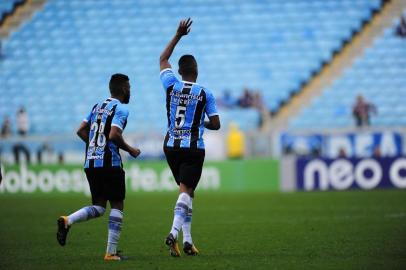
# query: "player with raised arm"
{"points": [[102, 132], [187, 103]]}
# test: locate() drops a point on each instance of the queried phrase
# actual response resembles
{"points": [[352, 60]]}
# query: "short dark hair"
{"points": [[187, 64], [116, 83]]}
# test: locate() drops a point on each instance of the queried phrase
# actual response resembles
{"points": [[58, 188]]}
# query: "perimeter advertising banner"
{"points": [[239, 175], [360, 144], [354, 173]]}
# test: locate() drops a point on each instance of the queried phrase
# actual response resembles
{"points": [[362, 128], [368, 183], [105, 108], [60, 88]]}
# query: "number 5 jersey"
{"points": [[187, 104]]}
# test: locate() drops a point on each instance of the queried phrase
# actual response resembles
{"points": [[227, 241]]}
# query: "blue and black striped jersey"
{"points": [[100, 151], [187, 104]]}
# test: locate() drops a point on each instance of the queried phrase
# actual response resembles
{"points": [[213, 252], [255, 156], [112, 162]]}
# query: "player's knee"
{"points": [[190, 191], [117, 205], [183, 188], [99, 202], [100, 210]]}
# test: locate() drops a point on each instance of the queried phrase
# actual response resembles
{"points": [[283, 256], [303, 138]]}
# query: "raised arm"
{"points": [[183, 30]]}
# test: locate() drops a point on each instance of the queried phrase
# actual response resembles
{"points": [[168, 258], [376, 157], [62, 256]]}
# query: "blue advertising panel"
{"points": [[364, 144], [301, 144], [353, 173], [360, 144]]}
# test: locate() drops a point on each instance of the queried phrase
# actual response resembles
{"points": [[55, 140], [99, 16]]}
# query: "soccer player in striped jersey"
{"points": [[187, 103], [102, 132]]}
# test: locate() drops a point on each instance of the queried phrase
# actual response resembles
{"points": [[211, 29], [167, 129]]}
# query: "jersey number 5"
{"points": [[180, 116], [101, 139]]}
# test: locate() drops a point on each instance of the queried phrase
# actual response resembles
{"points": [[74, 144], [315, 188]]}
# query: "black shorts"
{"points": [[106, 183], [186, 165]]}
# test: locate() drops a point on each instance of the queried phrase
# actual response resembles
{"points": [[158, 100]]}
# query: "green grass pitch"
{"points": [[320, 230]]}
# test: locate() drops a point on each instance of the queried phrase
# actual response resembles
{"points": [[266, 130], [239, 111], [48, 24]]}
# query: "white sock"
{"points": [[115, 223], [86, 213], [180, 212], [187, 225]]}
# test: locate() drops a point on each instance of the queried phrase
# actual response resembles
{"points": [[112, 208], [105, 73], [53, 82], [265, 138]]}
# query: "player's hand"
{"points": [[134, 152], [184, 27]]}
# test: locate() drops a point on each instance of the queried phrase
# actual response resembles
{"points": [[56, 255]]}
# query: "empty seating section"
{"points": [[59, 63], [379, 75]]}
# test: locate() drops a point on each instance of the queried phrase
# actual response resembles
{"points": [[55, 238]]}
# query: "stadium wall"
{"points": [[144, 176]]}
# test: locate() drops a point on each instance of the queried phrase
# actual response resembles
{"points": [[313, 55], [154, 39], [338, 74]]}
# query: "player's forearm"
{"points": [[84, 138], [211, 126], [83, 135], [118, 140], [166, 54]]}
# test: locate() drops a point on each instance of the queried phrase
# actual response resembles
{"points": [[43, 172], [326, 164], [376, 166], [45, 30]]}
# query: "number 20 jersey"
{"points": [[187, 104], [100, 151]]}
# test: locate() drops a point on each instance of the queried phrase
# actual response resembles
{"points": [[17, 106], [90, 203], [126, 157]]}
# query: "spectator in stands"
{"points": [[227, 100], [19, 148], [362, 111], [6, 127], [258, 102], [235, 142], [401, 28], [247, 99], [61, 158], [45, 148], [22, 129], [23, 124]]}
